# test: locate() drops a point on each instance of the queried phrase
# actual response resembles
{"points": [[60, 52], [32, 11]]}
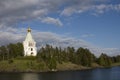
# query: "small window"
{"points": [[31, 49], [31, 53]]}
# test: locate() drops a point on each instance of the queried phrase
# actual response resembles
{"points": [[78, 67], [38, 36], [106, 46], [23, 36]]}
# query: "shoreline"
{"points": [[91, 68]]}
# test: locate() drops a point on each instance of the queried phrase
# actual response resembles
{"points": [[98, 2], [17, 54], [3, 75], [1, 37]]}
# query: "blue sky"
{"points": [[95, 23]]}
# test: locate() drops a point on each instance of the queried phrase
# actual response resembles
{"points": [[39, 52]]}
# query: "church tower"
{"points": [[29, 45]]}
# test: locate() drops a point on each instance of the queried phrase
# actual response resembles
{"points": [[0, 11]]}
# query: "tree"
{"points": [[52, 63], [84, 57], [19, 49], [117, 58], [15, 50], [3, 53], [70, 53], [104, 60]]}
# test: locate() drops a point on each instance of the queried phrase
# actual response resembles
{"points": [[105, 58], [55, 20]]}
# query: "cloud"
{"points": [[68, 11], [108, 51], [10, 36], [15, 11], [77, 6], [102, 8], [12, 12], [89, 7], [50, 20]]}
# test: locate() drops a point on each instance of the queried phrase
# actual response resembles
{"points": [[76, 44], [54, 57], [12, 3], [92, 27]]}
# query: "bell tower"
{"points": [[29, 45]]}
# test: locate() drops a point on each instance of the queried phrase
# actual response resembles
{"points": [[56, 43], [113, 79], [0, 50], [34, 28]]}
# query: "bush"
{"points": [[10, 61]]}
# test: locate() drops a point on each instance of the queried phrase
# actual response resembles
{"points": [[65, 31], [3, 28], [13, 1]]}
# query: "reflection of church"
{"points": [[29, 45]]}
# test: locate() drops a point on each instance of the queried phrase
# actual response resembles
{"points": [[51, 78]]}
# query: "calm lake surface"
{"points": [[94, 74]]}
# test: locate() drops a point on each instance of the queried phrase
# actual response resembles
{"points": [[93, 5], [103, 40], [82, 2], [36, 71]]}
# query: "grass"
{"points": [[30, 64], [116, 64], [70, 66], [22, 65]]}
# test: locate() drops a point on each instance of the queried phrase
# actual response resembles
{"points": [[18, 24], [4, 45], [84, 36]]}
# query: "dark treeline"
{"points": [[51, 56], [11, 51], [81, 56]]}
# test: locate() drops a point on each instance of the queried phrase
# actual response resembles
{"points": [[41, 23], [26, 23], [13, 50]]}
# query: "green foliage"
{"points": [[11, 51], [15, 50], [52, 64], [28, 58], [81, 56], [3, 53], [104, 60], [115, 59], [84, 57]]}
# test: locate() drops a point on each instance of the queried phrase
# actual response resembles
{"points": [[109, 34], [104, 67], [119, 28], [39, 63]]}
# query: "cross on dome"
{"points": [[29, 30]]}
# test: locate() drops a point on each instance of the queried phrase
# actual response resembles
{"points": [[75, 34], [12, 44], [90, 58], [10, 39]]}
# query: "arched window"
{"points": [[30, 44], [31, 53], [31, 49]]}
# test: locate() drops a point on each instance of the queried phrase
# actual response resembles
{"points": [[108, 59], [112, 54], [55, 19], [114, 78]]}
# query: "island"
{"points": [[51, 58]]}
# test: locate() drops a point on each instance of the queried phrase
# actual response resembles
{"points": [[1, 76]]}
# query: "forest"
{"points": [[52, 56]]}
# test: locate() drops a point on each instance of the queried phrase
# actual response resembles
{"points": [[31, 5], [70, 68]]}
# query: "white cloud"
{"points": [[50, 20], [96, 9], [108, 51], [77, 6], [68, 11], [102, 8], [40, 12], [13, 11]]}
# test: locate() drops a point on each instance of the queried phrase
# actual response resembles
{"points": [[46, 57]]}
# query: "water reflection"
{"points": [[30, 76]]}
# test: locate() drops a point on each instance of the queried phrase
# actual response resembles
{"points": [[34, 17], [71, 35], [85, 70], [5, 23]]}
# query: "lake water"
{"points": [[94, 74]]}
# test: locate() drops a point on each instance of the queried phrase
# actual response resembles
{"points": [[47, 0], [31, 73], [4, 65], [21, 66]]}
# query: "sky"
{"points": [[92, 24]]}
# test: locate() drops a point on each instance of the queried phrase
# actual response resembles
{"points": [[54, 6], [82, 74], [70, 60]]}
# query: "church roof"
{"points": [[29, 36]]}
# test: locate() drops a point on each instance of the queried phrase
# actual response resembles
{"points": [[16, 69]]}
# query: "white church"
{"points": [[29, 45]]}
